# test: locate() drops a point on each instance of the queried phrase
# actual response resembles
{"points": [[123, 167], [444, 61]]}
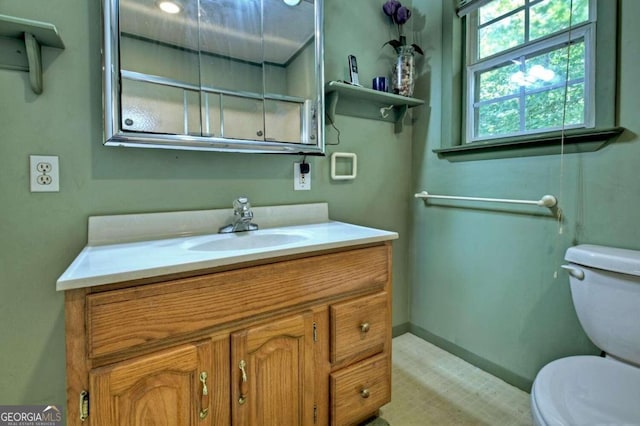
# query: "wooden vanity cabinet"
{"points": [[360, 379], [168, 387], [272, 369], [300, 340]]}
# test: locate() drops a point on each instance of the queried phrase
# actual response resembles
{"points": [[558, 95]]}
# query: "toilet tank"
{"points": [[607, 297]]}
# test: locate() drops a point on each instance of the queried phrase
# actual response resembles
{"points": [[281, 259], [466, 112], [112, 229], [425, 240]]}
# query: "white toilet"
{"points": [[589, 390]]}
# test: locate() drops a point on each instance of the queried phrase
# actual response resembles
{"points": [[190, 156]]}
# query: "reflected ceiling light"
{"points": [[169, 7], [542, 73], [535, 74], [291, 2]]}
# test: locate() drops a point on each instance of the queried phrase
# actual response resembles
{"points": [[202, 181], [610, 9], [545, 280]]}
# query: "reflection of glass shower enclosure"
{"points": [[155, 105], [161, 105]]}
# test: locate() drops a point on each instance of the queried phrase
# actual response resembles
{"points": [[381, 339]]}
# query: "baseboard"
{"points": [[399, 330], [483, 364]]}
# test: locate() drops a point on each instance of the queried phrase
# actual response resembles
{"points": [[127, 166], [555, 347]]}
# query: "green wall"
{"points": [[481, 280], [43, 232], [486, 279]]}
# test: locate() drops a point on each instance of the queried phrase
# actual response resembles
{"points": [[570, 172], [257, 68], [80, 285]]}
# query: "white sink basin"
{"points": [[157, 257], [247, 241]]}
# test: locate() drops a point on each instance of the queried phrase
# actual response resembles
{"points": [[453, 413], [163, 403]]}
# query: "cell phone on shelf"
{"points": [[353, 70]]}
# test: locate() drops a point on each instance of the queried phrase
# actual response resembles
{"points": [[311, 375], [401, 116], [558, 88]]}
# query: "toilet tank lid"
{"points": [[608, 258]]}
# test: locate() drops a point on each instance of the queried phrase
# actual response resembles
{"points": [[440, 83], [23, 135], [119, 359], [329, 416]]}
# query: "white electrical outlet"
{"points": [[44, 173], [301, 181]]}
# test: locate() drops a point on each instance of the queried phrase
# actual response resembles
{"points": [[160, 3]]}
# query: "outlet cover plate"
{"points": [[301, 182], [44, 171]]}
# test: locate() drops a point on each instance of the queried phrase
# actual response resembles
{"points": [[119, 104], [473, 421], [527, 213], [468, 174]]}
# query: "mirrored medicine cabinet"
{"points": [[214, 75]]}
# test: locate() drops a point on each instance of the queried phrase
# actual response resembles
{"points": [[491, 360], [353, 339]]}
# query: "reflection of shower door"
{"points": [[150, 107], [236, 116], [159, 105]]}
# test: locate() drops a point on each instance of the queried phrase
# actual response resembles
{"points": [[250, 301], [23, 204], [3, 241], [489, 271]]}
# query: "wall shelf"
{"points": [[343, 98], [20, 41]]}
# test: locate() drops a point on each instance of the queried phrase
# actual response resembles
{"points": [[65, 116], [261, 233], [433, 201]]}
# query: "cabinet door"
{"points": [[169, 388], [272, 373]]}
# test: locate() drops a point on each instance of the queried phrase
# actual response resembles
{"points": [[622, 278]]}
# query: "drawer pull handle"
{"points": [[204, 410], [365, 327], [243, 369], [364, 393]]}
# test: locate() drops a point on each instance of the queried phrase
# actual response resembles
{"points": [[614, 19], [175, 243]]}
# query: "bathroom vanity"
{"points": [[293, 330]]}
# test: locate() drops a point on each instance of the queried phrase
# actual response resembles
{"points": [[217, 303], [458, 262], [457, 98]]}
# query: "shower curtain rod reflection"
{"points": [[548, 201]]}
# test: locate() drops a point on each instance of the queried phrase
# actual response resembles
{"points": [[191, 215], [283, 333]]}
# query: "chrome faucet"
{"points": [[243, 217]]}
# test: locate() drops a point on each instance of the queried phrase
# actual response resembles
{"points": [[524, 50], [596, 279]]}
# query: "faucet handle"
{"points": [[242, 217], [242, 208], [240, 204]]}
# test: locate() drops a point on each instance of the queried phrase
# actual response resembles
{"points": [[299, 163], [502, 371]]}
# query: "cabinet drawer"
{"points": [[359, 327], [118, 320], [359, 390]]}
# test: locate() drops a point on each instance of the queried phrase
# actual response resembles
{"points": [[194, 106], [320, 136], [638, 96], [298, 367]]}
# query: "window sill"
{"points": [[575, 141]]}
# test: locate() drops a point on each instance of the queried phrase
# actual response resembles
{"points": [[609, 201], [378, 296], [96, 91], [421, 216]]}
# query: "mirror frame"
{"points": [[114, 135]]}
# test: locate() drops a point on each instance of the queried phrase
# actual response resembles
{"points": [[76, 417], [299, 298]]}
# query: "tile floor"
{"points": [[433, 387]]}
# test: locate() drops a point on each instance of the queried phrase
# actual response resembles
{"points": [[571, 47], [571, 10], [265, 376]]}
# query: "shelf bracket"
{"points": [[332, 102], [402, 113], [20, 44], [34, 58]]}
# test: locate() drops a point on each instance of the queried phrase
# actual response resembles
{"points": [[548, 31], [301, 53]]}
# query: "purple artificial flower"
{"points": [[399, 16], [390, 8], [402, 15]]}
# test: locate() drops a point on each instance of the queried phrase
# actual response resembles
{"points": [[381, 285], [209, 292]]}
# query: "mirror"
{"points": [[216, 75]]}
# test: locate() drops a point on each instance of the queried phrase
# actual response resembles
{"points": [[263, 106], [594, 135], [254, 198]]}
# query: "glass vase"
{"points": [[402, 77]]}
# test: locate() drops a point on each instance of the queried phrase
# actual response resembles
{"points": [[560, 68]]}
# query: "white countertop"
{"points": [[117, 262]]}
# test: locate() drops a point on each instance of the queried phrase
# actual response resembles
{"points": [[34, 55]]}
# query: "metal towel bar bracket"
{"points": [[548, 201]]}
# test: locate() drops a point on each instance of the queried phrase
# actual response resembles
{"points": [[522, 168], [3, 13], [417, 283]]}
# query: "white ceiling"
{"points": [[227, 27]]}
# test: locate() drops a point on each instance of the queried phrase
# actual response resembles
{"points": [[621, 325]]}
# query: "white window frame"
{"points": [[585, 30]]}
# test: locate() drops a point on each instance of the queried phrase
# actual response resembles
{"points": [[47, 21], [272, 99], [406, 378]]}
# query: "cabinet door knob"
{"points": [[364, 327], [364, 393]]}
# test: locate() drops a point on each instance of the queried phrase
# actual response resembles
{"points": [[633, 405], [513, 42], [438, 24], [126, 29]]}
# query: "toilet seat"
{"points": [[587, 390]]}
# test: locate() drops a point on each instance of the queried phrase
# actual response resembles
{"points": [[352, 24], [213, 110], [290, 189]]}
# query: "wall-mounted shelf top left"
{"points": [[20, 41]]}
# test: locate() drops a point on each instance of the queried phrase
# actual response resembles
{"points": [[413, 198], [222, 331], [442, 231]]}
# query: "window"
{"points": [[504, 71], [530, 68]]}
